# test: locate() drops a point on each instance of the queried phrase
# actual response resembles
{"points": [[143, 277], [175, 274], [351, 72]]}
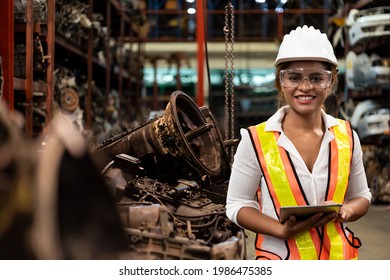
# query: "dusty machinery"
{"points": [[169, 177]]}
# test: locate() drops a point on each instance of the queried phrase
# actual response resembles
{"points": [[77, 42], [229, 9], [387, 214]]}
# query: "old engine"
{"points": [[169, 178]]}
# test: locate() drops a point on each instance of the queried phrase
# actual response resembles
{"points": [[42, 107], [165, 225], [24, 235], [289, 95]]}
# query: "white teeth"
{"points": [[305, 97]]}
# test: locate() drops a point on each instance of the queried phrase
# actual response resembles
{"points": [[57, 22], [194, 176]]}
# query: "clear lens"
{"points": [[292, 78]]}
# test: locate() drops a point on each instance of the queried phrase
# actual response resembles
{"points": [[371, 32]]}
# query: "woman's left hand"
{"points": [[345, 213]]}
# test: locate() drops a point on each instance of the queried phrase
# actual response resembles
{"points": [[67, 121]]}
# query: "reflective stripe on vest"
{"points": [[285, 189]]}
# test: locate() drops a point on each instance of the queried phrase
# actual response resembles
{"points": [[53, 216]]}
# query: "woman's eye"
{"points": [[295, 78], [316, 79]]}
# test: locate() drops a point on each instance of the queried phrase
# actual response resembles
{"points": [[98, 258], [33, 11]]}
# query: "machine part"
{"points": [[374, 125], [182, 188], [174, 221], [370, 70], [380, 67], [39, 10], [222, 144], [361, 67], [306, 43], [138, 215], [178, 145], [172, 204], [368, 24], [151, 246], [361, 108], [69, 99], [68, 96], [74, 23]]}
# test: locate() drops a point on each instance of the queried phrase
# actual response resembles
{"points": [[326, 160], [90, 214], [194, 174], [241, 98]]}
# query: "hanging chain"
{"points": [[229, 76]]}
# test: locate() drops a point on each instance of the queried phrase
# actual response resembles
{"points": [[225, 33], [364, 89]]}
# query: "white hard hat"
{"points": [[306, 43]]}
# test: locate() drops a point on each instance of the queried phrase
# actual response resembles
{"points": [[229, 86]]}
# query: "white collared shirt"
{"points": [[246, 173]]}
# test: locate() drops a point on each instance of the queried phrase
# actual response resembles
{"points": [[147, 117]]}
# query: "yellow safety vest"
{"points": [[284, 187]]}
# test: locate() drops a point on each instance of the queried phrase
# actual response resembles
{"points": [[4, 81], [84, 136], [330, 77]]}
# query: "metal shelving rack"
{"points": [[27, 85]]}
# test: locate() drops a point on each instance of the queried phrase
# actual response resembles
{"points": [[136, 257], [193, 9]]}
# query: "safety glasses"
{"points": [[292, 78]]}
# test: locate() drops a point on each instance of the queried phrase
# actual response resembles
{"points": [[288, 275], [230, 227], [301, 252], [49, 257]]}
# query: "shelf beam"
{"points": [[7, 52]]}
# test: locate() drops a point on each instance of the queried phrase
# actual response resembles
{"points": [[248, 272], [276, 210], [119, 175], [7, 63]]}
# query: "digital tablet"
{"points": [[304, 212]]}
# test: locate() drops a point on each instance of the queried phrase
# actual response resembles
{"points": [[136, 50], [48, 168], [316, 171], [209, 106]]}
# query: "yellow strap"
{"points": [[344, 160], [275, 167], [336, 251]]}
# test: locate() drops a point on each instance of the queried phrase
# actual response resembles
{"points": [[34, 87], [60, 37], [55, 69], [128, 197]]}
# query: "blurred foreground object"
{"points": [[16, 191], [75, 215]]}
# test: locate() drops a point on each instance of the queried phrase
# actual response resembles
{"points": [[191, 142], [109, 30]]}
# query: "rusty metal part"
{"points": [[178, 145], [223, 146], [174, 221], [69, 99]]}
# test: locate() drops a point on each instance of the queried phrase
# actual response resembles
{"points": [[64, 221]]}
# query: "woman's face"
{"points": [[305, 85]]}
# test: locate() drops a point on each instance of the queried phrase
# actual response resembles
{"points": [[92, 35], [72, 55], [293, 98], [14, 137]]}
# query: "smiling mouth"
{"points": [[304, 97]]}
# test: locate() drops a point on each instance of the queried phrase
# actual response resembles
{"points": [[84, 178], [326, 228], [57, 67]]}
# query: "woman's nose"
{"points": [[306, 83]]}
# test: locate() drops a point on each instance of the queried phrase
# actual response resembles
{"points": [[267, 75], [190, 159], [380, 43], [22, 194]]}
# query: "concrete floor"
{"points": [[373, 230]]}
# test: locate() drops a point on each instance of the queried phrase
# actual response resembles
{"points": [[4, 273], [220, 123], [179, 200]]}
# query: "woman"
{"points": [[300, 156]]}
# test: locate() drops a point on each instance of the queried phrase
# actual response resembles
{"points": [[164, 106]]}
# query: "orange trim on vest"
{"points": [[333, 169], [334, 180]]}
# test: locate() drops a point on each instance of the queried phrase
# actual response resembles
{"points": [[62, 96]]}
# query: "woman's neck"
{"points": [[309, 122]]}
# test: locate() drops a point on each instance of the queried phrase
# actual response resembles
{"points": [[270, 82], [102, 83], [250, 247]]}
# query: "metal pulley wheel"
{"points": [[69, 99]]}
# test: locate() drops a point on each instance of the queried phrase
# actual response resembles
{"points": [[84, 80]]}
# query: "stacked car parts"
{"points": [[368, 84], [368, 58]]}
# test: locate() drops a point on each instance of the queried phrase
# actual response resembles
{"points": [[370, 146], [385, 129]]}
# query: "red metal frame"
{"points": [[7, 50]]}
